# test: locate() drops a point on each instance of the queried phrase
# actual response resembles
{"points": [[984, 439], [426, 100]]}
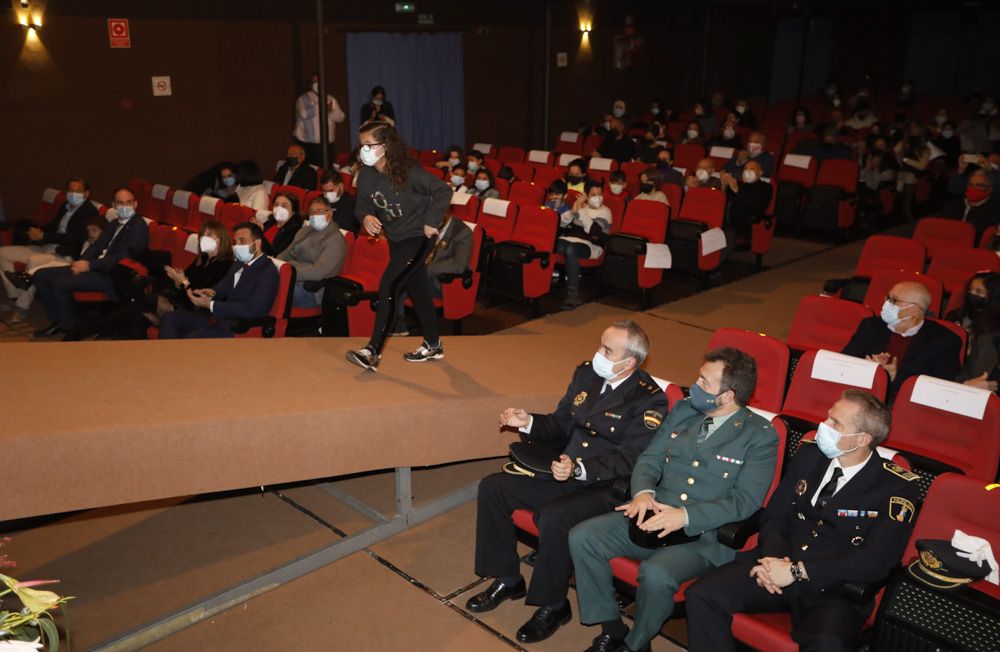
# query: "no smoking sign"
{"points": [[161, 86], [119, 34]]}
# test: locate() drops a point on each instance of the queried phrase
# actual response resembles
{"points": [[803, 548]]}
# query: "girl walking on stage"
{"points": [[398, 198]]}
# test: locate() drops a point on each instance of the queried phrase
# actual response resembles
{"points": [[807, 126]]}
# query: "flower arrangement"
{"points": [[32, 627]]}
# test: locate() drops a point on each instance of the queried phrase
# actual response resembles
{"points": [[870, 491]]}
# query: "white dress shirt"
{"points": [[849, 472]]}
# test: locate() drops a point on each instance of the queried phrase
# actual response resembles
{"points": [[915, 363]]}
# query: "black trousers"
{"points": [[819, 624], [558, 506], [407, 271]]}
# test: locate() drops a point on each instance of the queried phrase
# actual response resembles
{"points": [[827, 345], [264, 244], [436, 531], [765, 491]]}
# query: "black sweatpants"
{"points": [[400, 275]]}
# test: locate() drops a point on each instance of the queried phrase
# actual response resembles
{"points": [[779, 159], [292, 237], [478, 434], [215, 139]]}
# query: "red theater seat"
{"points": [[937, 233], [884, 280], [687, 155], [889, 252], [569, 142], [508, 155], [159, 201], [624, 268], [525, 193], [497, 217], [825, 323], [531, 243], [771, 356], [464, 206]]}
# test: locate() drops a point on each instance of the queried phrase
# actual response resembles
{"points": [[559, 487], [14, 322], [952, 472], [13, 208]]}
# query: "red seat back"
{"points": [[601, 168], [632, 170], [545, 176], [209, 209], [429, 157], [647, 219], [954, 266], [539, 158], [497, 217], [569, 142], [282, 304], [798, 169], [687, 155], [141, 189], [839, 173], [536, 226], [809, 398], [525, 193], [508, 155], [159, 200], [883, 281], [890, 252], [771, 356], [522, 171], [825, 323], [937, 233], [181, 209], [48, 207], [464, 206], [617, 207], [233, 214], [458, 301], [705, 205]]}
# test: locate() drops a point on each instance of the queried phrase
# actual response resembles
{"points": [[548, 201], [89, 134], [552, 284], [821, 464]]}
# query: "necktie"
{"points": [[830, 487], [605, 387], [703, 431]]}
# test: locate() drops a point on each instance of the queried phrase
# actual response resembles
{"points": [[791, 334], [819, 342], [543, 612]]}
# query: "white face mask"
{"points": [[454, 161], [482, 184], [377, 102], [208, 244], [243, 253], [280, 214], [836, 102], [655, 110], [940, 119], [315, 87], [749, 176], [318, 222], [472, 166], [603, 367], [368, 155], [457, 180], [617, 112], [947, 133], [332, 196], [595, 201], [616, 188], [741, 109], [728, 134], [890, 314], [702, 175], [828, 440], [692, 134]]}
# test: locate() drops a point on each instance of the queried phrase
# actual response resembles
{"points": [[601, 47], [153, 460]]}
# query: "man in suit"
{"points": [[602, 423], [841, 514], [246, 292], [710, 463], [59, 240], [452, 252], [978, 206], [341, 201], [55, 286], [295, 171], [903, 342]]}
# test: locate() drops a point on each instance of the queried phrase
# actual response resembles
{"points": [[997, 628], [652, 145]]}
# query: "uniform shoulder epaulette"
{"points": [[652, 388], [807, 441], [899, 471]]}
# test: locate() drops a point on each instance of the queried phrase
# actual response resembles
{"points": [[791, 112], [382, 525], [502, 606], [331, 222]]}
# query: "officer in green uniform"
{"points": [[840, 514], [710, 463]]}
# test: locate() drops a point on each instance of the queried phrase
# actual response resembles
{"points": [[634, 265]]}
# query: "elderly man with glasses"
{"points": [[903, 342], [977, 205]]}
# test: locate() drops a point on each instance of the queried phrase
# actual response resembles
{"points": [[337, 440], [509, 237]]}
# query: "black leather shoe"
{"points": [[491, 598], [605, 643], [20, 280], [49, 331], [544, 623], [645, 648]]}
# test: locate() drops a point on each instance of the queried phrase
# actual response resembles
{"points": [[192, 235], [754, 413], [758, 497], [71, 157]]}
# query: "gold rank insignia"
{"points": [[652, 419], [800, 487], [897, 470], [580, 398], [901, 509], [929, 559]]}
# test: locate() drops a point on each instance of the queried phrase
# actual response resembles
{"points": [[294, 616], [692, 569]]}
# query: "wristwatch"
{"points": [[796, 570]]}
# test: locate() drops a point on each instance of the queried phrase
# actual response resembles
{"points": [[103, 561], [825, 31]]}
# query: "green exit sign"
{"points": [[405, 7]]}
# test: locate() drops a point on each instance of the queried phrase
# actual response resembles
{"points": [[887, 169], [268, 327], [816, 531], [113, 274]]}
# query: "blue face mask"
{"points": [[74, 198], [457, 180], [701, 400], [229, 182], [828, 439], [125, 212], [482, 184]]}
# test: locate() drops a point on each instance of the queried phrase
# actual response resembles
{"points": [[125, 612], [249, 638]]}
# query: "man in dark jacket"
{"points": [[606, 418], [903, 342], [127, 238], [978, 206], [246, 292], [748, 198], [295, 171]]}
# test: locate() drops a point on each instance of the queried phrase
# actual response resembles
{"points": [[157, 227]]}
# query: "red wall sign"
{"points": [[119, 35]]}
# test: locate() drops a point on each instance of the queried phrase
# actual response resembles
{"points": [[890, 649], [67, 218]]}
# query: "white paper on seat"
{"points": [[722, 152], [712, 240], [160, 191], [798, 161], [191, 245], [460, 198], [569, 136], [538, 156], [207, 205], [950, 397], [764, 413], [49, 195], [844, 369], [658, 256], [181, 197], [147, 220], [602, 164], [471, 225], [662, 143], [485, 148], [664, 384], [936, 152], [111, 215], [566, 159], [766, 179], [496, 207], [683, 171]]}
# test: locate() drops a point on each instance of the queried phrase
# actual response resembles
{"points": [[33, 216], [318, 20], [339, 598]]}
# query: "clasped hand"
{"points": [[773, 574], [662, 517]]}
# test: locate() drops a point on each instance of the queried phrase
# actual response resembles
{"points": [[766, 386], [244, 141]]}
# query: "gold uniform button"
{"points": [[593, 433], [814, 533], [690, 480], [695, 464], [588, 425], [805, 546], [666, 459], [684, 496], [585, 444], [726, 474], [579, 459], [612, 428]]}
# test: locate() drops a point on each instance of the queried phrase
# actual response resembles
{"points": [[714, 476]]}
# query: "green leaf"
{"points": [[51, 634], [64, 608]]}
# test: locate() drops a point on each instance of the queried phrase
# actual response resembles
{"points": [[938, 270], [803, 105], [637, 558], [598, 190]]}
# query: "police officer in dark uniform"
{"points": [[607, 417], [840, 514]]}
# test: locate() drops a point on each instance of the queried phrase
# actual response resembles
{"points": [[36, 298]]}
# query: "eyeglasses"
{"points": [[893, 301], [323, 213], [370, 145]]}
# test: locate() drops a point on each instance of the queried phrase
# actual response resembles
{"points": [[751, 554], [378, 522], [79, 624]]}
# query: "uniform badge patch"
{"points": [[901, 509], [899, 471], [928, 559], [800, 487], [652, 419], [614, 416], [580, 398]]}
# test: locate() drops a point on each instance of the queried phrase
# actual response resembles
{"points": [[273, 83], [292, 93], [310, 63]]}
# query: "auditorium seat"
{"points": [[464, 206], [957, 330], [624, 268], [295, 191], [497, 217], [526, 193], [762, 231], [818, 382], [349, 183], [181, 208], [437, 173], [159, 201], [889, 252], [706, 208], [544, 176], [537, 158], [357, 285], [458, 299], [632, 170], [673, 391], [831, 202], [771, 356], [884, 280], [591, 143], [522, 265], [687, 155], [313, 313], [955, 267], [503, 187], [508, 154], [823, 322], [564, 160], [141, 189], [276, 322], [429, 157], [721, 155], [522, 171], [209, 209], [233, 214], [569, 142], [796, 175], [937, 233], [600, 169]]}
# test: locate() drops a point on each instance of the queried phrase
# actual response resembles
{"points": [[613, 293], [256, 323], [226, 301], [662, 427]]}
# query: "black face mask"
{"points": [[660, 163], [974, 305], [616, 133], [574, 179], [646, 187], [291, 161]]}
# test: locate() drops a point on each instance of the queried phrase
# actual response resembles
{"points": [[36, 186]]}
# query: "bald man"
{"points": [[615, 145], [703, 176], [748, 199], [295, 171], [903, 342]]}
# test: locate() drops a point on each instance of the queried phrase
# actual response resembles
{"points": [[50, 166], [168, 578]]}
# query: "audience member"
{"points": [[618, 112], [555, 197], [616, 145], [745, 115], [484, 185], [454, 157], [665, 165], [754, 152], [693, 135], [830, 147], [678, 493], [946, 140], [607, 416], [705, 121], [224, 183], [282, 224], [800, 120], [251, 190], [582, 233], [617, 184], [307, 131], [245, 293], [862, 118], [907, 94], [727, 138], [980, 317], [748, 198], [978, 206], [914, 159], [812, 540], [576, 175], [703, 176], [456, 180], [649, 186], [317, 253], [56, 285], [903, 342], [295, 171], [647, 147], [474, 161], [377, 108], [341, 201]]}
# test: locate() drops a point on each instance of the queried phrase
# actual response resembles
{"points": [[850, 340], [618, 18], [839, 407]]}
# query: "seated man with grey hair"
{"points": [[903, 342], [977, 206], [840, 515], [604, 421]]}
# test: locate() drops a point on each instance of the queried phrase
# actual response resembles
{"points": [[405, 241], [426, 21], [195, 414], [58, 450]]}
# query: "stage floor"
{"points": [[128, 565]]}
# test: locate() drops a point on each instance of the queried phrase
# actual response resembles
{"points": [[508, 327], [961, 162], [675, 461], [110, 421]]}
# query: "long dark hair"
{"points": [[989, 320], [398, 161]]}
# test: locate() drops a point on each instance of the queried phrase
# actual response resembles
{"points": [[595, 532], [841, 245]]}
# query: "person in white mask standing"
{"points": [[583, 230], [903, 342], [840, 514], [606, 418], [307, 114]]}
